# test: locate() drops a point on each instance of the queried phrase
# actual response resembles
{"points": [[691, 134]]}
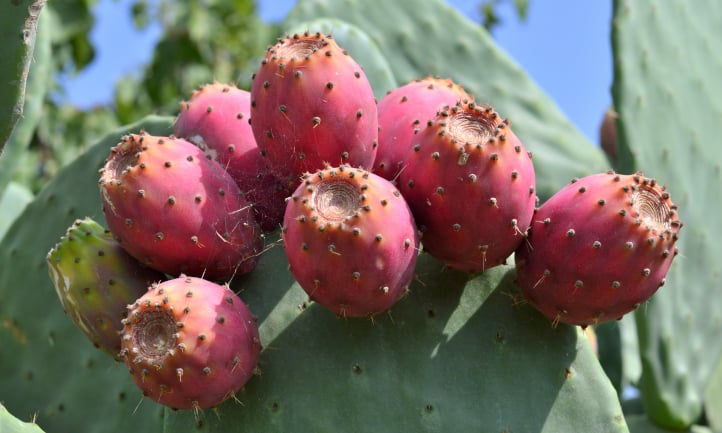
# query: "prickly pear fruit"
{"points": [[470, 184], [177, 211], [95, 280], [598, 248], [190, 343], [404, 111], [312, 105], [215, 119], [351, 240], [608, 134]]}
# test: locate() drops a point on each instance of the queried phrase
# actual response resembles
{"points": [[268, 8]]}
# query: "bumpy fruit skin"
{"points": [[598, 248], [312, 105], [404, 111], [351, 241], [95, 280], [190, 343], [471, 185], [177, 211], [215, 119]]}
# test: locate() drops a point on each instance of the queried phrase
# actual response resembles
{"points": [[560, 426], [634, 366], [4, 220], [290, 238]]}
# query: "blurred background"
{"points": [[576, 74], [117, 60]]}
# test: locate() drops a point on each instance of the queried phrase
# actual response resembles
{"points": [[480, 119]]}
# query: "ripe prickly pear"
{"points": [[312, 105], [190, 343], [215, 119], [95, 280], [351, 240], [177, 211], [403, 112], [598, 248], [471, 187]]}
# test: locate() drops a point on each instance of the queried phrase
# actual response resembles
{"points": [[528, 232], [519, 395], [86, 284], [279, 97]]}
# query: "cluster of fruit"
{"points": [[358, 187]]}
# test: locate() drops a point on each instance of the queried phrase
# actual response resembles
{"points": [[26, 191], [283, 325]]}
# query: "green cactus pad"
{"points": [[18, 28], [37, 84], [360, 46], [456, 354], [431, 38], [666, 91], [713, 399], [13, 200], [642, 424], [10, 424]]}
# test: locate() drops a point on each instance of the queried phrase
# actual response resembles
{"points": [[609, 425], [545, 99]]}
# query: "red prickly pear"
{"points": [[351, 241], [215, 119], [598, 248], [190, 343], [608, 134], [177, 211], [470, 184], [312, 105], [95, 280], [404, 111]]}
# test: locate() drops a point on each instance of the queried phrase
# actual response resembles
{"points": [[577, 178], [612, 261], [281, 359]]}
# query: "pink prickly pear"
{"points": [[598, 248], [190, 343], [470, 184], [351, 241], [312, 105], [215, 119], [95, 280], [177, 211], [404, 111]]}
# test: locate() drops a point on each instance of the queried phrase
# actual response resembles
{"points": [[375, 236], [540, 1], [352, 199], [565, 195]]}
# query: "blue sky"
{"points": [[564, 46]]}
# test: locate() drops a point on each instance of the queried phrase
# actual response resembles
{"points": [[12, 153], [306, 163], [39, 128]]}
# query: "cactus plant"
{"points": [[460, 352], [36, 88], [18, 26]]}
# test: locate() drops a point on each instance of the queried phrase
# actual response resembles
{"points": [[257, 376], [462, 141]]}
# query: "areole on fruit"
{"points": [[154, 335], [301, 46], [469, 127], [653, 211], [126, 157], [335, 200], [348, 236], [471, 187], [631, 225]]}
